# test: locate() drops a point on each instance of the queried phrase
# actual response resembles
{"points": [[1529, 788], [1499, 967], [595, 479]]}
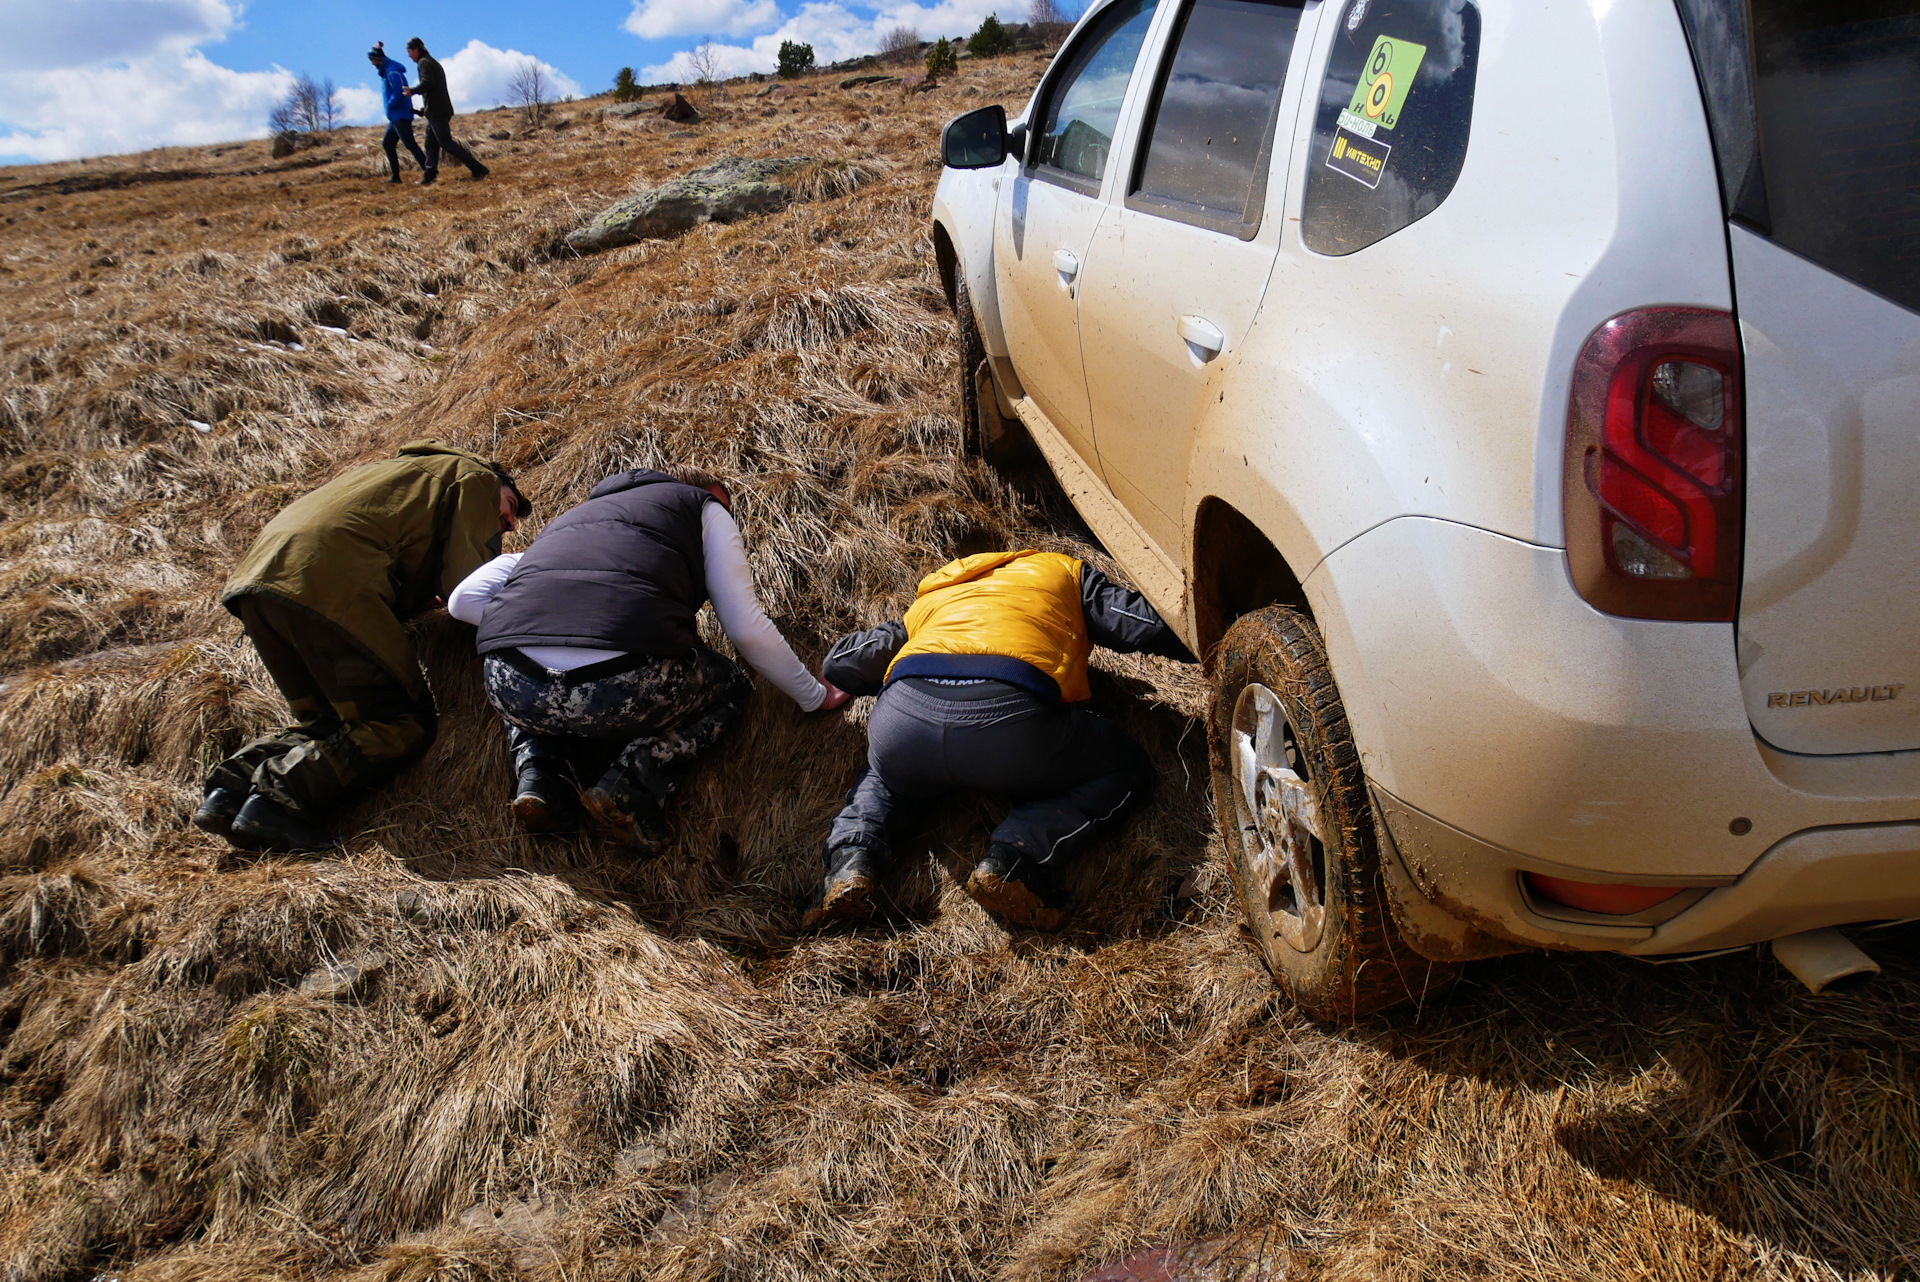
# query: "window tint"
{"points": [[1083, 108], [1838, 92], [1213, 117], [1390, 133]]}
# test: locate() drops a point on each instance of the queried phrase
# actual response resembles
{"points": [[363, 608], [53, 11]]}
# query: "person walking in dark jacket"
{"points": [[592, 653], [438, 109], [322, 594], [393, 92], [983, 685]]}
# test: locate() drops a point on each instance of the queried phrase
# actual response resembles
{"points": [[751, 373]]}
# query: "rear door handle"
{"points": [[1202, 337], [1067, 265]]}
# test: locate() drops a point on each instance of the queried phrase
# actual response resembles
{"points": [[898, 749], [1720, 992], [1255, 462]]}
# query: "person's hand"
{"points": [[835, 696]]}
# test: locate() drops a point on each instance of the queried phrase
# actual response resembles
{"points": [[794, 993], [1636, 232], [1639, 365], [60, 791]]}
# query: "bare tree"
{"points": [[1049, 20], [529, 92], [902, 45], [310, 106], [705, 61]]}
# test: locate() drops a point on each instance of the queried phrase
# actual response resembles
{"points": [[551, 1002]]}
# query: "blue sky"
{"points": [[98, 77]]}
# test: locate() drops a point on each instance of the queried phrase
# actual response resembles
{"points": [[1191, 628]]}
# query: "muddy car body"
{"points": [[1515, 404]]}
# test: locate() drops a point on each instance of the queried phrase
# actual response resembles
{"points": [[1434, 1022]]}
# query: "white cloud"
{"points": [[67, 33], [362, 106], [477, 76], [838, 33], [162, 99], [653, 19]]}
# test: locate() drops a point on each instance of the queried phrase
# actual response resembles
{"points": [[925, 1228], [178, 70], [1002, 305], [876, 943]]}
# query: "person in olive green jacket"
{"points": [[321, 594]]}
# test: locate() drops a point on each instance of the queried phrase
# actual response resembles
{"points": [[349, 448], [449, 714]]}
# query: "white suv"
{"points": [[1516, 403]]}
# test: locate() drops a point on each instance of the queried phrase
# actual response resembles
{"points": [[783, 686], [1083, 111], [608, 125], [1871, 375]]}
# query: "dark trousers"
{"points": [[399, 131], [1073, 772], [440, 138], [654, 718], [355, 725]]}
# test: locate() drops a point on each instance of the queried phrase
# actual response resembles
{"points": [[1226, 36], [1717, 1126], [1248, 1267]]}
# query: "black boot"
{"points": [[428, 176], [479, 171], [1009, 883], [217, 811], [628, 812], [846, 896], [264, 824], [543, 800]]}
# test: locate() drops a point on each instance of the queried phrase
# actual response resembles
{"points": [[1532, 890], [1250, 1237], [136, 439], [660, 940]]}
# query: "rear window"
{"points": [[1211, 133], [1837, 87], [1390, 133]]}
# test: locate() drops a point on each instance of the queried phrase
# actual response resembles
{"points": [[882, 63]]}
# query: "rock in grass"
{"points": [[854, 82], [722, 192], [680, 111], [628, 110]]}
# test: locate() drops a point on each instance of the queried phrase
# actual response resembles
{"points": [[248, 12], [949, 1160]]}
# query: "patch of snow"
{"points": [[198, 426]]}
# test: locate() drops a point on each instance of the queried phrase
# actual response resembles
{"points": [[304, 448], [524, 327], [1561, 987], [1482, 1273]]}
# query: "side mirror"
{"points": [[977, 140]]}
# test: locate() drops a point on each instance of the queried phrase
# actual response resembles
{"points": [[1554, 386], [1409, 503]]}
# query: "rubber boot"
{"points": [[216, 813], [543, 800], [264, 824], [1009, 883], [846, 895]]}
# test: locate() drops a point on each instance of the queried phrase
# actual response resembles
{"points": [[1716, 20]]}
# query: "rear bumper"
{"points": [[1508, 727], [1456, 898]]}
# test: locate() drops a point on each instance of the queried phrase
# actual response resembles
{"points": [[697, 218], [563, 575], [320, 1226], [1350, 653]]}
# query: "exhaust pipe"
{"points": [[1822, 958]]}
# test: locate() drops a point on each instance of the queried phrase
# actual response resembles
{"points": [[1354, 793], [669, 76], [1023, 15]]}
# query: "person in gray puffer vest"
{"points": [[592, 649]]}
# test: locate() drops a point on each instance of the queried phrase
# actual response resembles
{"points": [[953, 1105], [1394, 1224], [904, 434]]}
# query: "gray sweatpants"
{"points": [[1072, 772]]}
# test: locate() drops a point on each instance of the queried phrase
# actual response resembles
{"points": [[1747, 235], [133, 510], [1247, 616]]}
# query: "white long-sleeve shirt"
{"points": [[729, 587]]}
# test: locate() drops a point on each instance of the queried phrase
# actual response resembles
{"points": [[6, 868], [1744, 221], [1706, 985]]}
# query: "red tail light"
{"points": [[1655, 469]]}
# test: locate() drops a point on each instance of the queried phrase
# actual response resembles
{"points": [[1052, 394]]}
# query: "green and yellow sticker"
{"points": [[1385, 80]]}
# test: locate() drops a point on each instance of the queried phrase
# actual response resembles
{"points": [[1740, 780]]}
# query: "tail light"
{"points": [[1595, 897], [1655, 467]]}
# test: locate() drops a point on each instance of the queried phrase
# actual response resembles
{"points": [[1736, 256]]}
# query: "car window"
{"points": [[1390, 132], [1211, 132], [1076, 127], [1838, 92]]}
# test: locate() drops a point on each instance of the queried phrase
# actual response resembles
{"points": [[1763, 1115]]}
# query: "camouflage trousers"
{"points": [[654, 718], [355, 725]]}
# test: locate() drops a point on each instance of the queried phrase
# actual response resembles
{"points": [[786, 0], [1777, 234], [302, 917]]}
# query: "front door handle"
{"points": [[1202, 337], [1068, 266]]}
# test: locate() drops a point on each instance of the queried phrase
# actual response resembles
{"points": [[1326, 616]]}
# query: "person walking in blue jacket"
{"points": [[393, 90]]}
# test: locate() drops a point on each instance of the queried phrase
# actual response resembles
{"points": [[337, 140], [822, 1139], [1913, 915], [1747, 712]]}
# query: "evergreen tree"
{"points": [[991, 40], [625, 88], [795, 59], [941, 59]]}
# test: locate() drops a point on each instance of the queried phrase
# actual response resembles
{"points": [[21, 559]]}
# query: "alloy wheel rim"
{"points": [[1277, 812]]}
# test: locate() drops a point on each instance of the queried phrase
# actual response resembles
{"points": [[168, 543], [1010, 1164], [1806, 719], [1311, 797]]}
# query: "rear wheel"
{"points": [[985, 433], [1298, 825]]}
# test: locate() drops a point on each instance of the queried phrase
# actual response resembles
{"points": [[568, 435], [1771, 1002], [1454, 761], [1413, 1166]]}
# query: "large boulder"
{"points": [[628, 110], [284, 144], [680, 111], [723, 192]]}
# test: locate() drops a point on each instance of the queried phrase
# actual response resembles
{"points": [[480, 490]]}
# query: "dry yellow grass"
{"points": [[453, 1052]]}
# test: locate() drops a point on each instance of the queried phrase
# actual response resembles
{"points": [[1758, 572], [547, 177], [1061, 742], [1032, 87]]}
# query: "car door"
{"points": [[1044, 223], [1177, 269]]}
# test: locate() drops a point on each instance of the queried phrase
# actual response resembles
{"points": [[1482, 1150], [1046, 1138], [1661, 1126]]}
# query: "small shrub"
{"points": [[942, 59], [991, 40], [795, 59], [901, 45], [625, 87]]}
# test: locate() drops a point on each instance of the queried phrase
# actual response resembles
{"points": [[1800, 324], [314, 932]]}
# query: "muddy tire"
{"points": [[985, 433], [1298, 825]]}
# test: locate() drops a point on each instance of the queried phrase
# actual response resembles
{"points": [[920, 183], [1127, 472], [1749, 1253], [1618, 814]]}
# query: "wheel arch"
{"points": [[1236, 570], [946, 260]]}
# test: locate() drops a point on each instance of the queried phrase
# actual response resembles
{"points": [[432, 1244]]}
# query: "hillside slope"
{"points": [[455, 1052]]}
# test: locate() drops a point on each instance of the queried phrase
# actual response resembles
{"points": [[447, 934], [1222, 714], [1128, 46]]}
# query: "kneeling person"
{"points": [[321, 594], [980, 687], [589, 640]]}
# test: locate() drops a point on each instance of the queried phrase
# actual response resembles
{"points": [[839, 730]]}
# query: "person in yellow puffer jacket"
{"points": [[984, 685]]}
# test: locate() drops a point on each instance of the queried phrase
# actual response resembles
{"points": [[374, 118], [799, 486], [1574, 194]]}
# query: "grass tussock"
{"points": [[451, 1052]]}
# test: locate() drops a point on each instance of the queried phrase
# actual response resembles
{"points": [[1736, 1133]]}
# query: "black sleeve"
{"points": [[1121, 619], [858, 662]]}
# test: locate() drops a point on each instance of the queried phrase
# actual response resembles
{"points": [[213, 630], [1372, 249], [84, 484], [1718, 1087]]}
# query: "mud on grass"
{"points": [[447, 1050]]}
